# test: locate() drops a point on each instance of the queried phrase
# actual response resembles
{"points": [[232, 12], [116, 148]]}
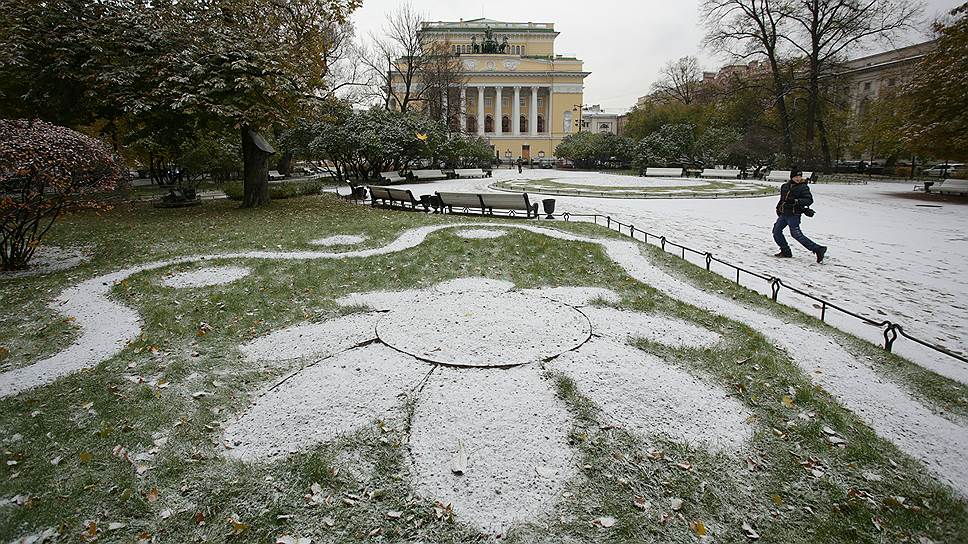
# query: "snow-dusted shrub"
{"points": [[45, 171]]}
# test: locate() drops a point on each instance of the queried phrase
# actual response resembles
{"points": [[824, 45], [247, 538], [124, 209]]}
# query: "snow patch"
{"points": [[481, 234], [206, 277], [318, 403], [49, 259], [514, 432], [623, 325], [484, 329], [339, 240], [640, 392], [313, 339]]}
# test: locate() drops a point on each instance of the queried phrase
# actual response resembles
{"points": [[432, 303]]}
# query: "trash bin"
{"points": [[549, 207]]}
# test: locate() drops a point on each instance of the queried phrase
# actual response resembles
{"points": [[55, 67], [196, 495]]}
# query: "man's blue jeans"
{"points": [[792, 221]]}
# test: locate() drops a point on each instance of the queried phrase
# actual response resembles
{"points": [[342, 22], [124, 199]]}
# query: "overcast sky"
{"points": [[623, 43]]}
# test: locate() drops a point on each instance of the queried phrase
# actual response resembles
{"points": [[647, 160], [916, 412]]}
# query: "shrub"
{"points": [[286, 189], [46, 171]]}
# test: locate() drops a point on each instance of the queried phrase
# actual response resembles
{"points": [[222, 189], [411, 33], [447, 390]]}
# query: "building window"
{"points": [[523, 124], [567, 123], [506, 102], [867, 86], [604, 127], [541, 123], [505, 124], [540, 102], [471, 124], [891, 82], [488, 101], [488, 124]]}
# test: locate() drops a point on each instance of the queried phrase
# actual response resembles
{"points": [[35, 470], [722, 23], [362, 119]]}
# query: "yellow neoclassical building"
{"points": [[515, 91]]}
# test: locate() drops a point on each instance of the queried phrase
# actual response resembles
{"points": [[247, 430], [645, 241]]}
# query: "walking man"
{"points": [[795, 200], [519, 164]]}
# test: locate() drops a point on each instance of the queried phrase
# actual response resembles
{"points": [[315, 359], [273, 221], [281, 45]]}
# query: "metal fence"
{"points": [[890, 330]]}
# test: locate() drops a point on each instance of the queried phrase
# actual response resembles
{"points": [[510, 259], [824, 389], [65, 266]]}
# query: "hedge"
{"points": [[285, 189]]}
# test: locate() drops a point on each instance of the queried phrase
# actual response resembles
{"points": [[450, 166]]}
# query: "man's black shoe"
{"points": [[783, 255], [820, 253]]}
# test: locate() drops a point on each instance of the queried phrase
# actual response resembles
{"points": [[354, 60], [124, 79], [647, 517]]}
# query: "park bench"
{"points": [[469, 173], [388, 196], [275, 175], [428, 175], [392, 177], [720, 173], [488, 202], [784, 175], [663, 172], [952, 187]]}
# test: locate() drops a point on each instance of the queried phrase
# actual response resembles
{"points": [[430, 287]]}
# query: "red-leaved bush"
{"points": [[45, 171]]}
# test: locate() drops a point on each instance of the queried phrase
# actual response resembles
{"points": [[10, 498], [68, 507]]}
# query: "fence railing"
{"points": [[890, 330]]}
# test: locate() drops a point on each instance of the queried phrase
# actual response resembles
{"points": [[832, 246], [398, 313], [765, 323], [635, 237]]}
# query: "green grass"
{"points": [[367, 474], [708, 188]]}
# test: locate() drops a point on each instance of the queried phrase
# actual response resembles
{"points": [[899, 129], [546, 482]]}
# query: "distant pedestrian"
{"points": [[795, 200], [520, 161]]}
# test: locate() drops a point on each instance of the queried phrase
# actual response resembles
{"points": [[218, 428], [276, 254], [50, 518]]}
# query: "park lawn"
{"points": [[184, 490]]}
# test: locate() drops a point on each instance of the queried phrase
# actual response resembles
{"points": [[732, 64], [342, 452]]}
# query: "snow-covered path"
{"points": [[890, 257]]}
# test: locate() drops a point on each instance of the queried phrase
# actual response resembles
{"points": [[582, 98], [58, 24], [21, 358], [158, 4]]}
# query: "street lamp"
{"points": [[578, 108]]}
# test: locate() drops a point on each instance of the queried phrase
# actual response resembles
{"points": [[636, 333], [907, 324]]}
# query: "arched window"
{"points": [[523, 124], [488, 124], [541, 123], [471, 123], [505, 124]]}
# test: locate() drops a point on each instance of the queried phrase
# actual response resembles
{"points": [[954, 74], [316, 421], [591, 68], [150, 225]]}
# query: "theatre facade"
{"points": [[513, 89]]}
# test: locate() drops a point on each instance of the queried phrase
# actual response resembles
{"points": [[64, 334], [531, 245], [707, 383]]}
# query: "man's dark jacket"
{"points": [[794, 197]]}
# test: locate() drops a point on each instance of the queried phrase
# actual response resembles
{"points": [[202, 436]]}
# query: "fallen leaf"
{"points": [[698, 527], [165, 514], [750, 532], [394, 514], [640, 502], [458, 463], [152, 495], [84, 457], [545, 472], [676, 503], [237, 526], [787, 401], [605, 521], [114, 526]]}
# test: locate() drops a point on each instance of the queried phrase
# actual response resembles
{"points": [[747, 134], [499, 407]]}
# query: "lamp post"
{"points": [[578, 108], [507, 156]]}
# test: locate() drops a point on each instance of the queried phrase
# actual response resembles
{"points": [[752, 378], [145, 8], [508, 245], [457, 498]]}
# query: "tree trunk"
{"points": [[824, 144], [285, 163], [778, 90], [255, 175]]}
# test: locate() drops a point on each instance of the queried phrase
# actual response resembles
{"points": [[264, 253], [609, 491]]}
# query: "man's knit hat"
{"points": [[795, 173]]}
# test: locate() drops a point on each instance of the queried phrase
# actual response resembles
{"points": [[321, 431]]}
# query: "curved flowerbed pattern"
{"points": [[361, 371]]}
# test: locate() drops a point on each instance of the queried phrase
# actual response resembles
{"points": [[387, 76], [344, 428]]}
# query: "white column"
{"points": [[462, 114], [533, 112], [516, 112], [480, 110], [548, 128], [498, 110]]}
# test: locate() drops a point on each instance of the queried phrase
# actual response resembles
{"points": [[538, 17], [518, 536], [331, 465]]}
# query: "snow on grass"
{"points": [[514, 434], [333, 396], [480, 234], [205, 277], [339, 240]]}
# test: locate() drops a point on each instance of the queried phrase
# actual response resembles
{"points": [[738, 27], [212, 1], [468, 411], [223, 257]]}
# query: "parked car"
{"points": [[954, 169]]}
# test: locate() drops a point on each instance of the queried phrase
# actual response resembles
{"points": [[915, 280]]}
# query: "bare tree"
{"points": [[825, 31], [752, 28], [680, 80], [397, 59]]}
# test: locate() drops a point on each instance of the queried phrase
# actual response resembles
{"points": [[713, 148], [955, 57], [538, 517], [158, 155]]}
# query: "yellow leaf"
{"points": [[3, 353], [787, 401], [85, 457], [152, 495], [777, 500], [698, 527], [237, 526]]}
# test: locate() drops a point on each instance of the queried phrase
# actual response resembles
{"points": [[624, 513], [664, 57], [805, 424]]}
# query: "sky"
{"points": [[624, 44]]}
